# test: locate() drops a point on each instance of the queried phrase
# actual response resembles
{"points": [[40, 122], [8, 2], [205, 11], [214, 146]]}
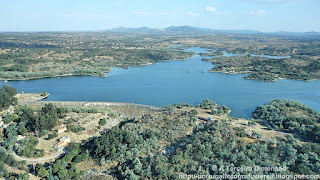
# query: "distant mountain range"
{"points": [[134, 30], [189, 30]]}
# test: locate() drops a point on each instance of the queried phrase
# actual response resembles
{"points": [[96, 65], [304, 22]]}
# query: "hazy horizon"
{"points": [[97, 15], [99, 30]]}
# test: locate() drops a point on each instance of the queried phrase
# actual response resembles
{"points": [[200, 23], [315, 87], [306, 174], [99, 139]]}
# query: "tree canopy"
{"points": [[7, 98]]}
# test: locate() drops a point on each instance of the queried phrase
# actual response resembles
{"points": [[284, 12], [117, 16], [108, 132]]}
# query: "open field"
{"points": [[26, 97], [243, 123]]}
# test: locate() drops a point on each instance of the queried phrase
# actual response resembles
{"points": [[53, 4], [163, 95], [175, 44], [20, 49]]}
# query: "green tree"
{"points": [[24, 176], [42, 172], [22, 129], [10, 90], [103, 122], [3, 170], [102, 161], [7, 98], [63, 174], [57, 166], [137, 166]]}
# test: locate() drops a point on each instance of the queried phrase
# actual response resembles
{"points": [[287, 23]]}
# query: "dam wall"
{"points": [[99, 105]]}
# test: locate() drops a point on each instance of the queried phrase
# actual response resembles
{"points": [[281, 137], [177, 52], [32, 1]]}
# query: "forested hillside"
{"points": [[172, 144], [291, 116]]}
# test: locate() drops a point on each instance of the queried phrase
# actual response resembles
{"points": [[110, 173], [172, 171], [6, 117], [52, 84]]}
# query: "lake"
{"points": [[171, 82]]}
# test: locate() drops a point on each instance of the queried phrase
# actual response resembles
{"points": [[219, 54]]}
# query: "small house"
{"points": [[61, 129], [59, 145], [63, 142]]}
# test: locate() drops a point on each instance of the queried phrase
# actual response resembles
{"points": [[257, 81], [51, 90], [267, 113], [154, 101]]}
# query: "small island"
{"points": [[268, 69]]}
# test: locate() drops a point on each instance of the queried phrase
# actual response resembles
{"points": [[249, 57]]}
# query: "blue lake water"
{"points": [[173, 82]]}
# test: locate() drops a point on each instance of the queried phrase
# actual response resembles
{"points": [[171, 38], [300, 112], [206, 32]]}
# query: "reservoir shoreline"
{"points": [[172, 82]]}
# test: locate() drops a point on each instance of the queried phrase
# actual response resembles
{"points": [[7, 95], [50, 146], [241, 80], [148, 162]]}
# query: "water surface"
{"points": [[170, 82]]}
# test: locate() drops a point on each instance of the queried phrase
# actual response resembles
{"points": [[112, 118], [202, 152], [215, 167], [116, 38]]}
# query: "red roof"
{"points": [[59, 143]]}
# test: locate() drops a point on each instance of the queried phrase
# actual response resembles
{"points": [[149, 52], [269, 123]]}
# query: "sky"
{"points": [[91, 15]]}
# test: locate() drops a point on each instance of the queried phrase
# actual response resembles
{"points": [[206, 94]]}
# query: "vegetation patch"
{"points": [[291, 116], [267, 69]]}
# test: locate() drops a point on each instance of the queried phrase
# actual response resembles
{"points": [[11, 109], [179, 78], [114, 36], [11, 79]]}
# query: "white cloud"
{"points": [[259, 12], [211, 9], [143, 13], [190, 13]]}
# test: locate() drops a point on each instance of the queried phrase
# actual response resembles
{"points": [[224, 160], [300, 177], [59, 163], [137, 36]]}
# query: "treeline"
{"points": [[291, 116], [20, 45], [7, 98]]}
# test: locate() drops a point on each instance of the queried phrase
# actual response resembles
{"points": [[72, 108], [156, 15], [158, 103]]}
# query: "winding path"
{"points": [[37, 159], [107, 126]]}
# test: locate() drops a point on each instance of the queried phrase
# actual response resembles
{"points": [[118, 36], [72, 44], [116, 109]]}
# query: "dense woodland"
{"points": [[215, 145], [291, 116]]}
